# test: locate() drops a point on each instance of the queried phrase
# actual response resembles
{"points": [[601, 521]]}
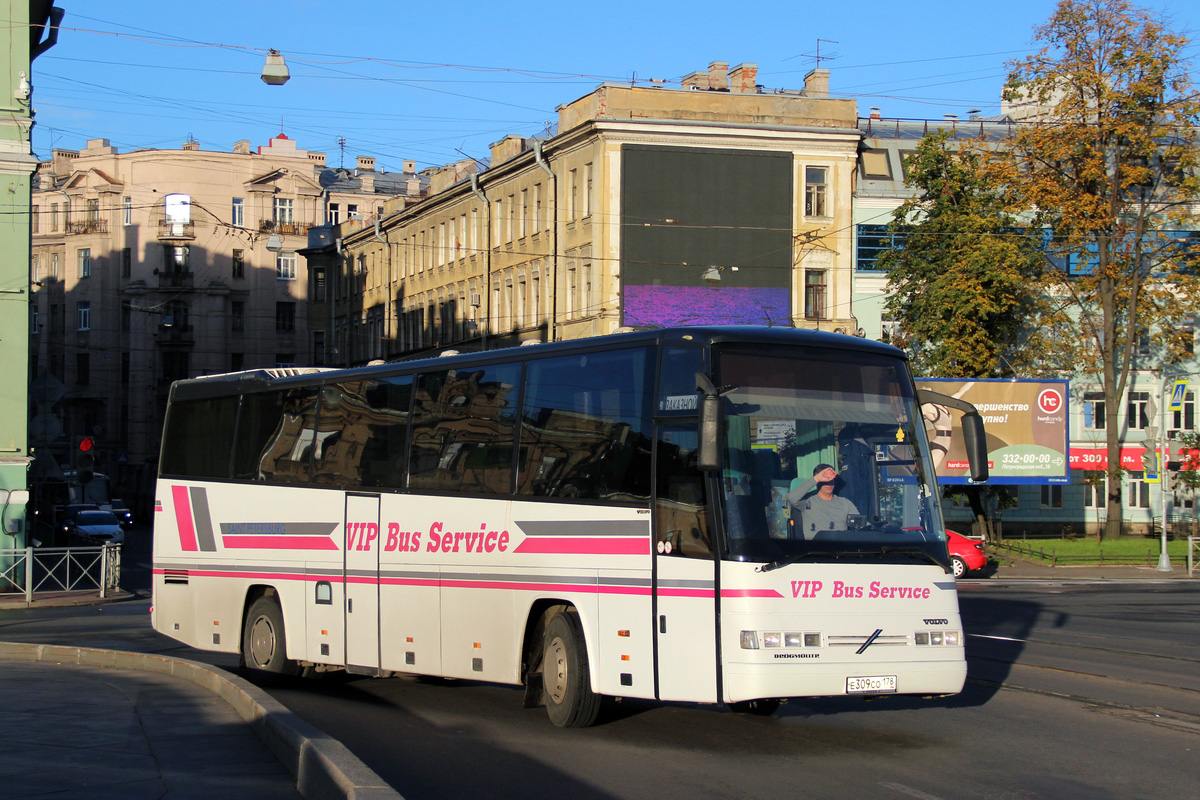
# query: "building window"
{"points": [[35, 319], [53, 217], [237, 362], [285, 317], [83, 315], [335, 214], [176, 259], [285, 266], [238, 214], [85, 262], [33, 219], [318, 352], [1139, 492], [1052, 496], [126, 210], [1093, 411], [237, 316], [284, 360], [126, 315], [176, 315], [318, 276], [53, 266], [1136, 417], [126, 262], [239, 263], [283, 210], [352, 211], [814, 294], [875, 165], [572, 194], [586, 199], [1184, 419], [870, 242], [816, 191], [92, 211], [1095, 489], [83, 369]]}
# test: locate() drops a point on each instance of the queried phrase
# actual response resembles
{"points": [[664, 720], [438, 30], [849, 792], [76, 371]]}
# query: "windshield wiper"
{"points": [[912, 552]]}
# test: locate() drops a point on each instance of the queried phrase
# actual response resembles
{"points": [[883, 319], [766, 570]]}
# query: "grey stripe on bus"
{"points": [[204, 529], [607, 527], [279, 528]]}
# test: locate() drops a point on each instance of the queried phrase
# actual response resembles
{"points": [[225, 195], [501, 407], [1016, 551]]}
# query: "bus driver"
{"points": [[819, 511]]}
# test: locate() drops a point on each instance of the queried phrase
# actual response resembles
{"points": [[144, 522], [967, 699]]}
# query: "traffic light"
{"points": [[87, 461]]}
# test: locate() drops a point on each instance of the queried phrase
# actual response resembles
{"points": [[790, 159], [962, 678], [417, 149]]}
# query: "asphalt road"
{"points": [[1075, 691]]}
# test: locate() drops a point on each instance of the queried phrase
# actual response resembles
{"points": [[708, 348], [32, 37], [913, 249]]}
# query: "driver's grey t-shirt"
{"points": [[817, 514]]}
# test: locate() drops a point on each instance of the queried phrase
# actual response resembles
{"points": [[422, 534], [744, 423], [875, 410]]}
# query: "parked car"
{"points": [[122, 512], [966, 554], [100, 527]]}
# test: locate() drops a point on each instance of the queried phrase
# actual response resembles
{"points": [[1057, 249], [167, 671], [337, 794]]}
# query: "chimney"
{"points": [[695, 80], [191, 144], [952, 118], [366, 162], [410, 167], [816, 83], [718, 76], [974, 114], [242, 147], [875, 112], [744, 78]]}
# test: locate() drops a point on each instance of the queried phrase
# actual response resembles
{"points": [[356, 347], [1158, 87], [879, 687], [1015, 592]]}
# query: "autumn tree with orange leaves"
{"points": [[1106, 163]]}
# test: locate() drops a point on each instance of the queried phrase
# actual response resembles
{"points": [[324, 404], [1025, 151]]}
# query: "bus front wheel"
{"points": [[264, 647], [570, 701]]}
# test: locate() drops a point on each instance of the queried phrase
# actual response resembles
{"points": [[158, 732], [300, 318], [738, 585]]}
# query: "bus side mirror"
{"points": [[975, 439], [708, 452]]}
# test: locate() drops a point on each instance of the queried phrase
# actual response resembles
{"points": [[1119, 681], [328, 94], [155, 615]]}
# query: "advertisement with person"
{"points": [[1028, 439]]}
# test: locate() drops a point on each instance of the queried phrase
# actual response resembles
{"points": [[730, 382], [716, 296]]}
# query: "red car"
{"points": [[966, 554]]}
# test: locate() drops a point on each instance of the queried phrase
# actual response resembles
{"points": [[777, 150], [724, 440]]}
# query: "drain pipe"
{"points": [[486, 289], [541, 162]]}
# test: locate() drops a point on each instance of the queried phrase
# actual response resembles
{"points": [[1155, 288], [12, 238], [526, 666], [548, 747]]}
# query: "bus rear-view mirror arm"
{"points": [[974, 436]]}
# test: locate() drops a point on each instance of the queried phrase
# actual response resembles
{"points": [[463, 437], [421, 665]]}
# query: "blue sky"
{"points": [[439, 81]]}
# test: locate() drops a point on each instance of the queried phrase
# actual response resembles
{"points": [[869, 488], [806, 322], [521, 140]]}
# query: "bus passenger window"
{"points": [[584, 427], [463, 431], [681, 518], [198, 438]]}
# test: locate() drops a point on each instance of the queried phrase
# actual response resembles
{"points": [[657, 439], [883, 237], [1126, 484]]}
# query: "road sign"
{"points": [[1177, 396]]}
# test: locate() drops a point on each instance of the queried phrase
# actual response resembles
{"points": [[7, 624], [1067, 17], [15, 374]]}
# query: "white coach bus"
{"points": [[600, 517]]}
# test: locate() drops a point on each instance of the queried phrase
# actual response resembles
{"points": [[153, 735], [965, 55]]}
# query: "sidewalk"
{"points": [[113, 724]]}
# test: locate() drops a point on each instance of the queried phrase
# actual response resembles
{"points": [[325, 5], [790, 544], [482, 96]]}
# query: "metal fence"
{"points": [[61, 569]]}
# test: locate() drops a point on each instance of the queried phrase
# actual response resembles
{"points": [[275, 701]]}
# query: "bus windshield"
{"points": [[825, 458]]}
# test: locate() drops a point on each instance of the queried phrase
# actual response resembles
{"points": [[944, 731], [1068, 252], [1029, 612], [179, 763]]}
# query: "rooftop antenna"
{"points": [[341, 140], [817, 56]]}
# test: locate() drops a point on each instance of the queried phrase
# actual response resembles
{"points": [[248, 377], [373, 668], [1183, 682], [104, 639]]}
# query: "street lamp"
{"points": [[275, 71]]}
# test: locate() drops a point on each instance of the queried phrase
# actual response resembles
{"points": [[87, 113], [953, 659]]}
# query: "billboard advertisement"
{"points": [[706, 236], [1028, 440]]}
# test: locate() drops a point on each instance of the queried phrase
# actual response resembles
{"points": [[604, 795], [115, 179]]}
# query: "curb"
{"points": [[322, 766]]}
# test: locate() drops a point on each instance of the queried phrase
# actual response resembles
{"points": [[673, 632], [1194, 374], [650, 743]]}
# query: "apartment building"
{"points": [[155, 265], [719, 202]]}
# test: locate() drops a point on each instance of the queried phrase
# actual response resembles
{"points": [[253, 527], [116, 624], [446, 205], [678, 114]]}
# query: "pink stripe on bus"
{"points": [[750, 593], [582, 545], [279, 542], [183, 518]]}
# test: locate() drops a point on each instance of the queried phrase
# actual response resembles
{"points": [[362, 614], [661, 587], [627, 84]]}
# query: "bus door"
{"points": [[361, 571], [685, 615]]}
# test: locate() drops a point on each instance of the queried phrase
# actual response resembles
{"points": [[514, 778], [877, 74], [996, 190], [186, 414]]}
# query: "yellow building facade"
{"points": [[715, 203]]}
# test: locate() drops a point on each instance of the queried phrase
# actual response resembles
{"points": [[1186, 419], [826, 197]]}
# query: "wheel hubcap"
{"points": [[262, 641], [555, 672]]}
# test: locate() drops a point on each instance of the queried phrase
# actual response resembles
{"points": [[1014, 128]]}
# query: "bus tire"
{"points": [[264, 647], [566, 679]]}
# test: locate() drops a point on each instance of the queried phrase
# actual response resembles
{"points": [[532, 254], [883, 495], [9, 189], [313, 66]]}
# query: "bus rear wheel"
{"points": [[566, 679], [264, 647], [758, 708]]}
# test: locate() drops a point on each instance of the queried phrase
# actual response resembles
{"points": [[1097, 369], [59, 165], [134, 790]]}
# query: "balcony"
{"points": [[172, 231], [175, 334], [87, 226], [285, 228], [175, 280]]}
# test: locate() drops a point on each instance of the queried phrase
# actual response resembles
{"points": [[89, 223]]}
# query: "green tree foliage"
{"points": [[964, 282], [1106, 159]]}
